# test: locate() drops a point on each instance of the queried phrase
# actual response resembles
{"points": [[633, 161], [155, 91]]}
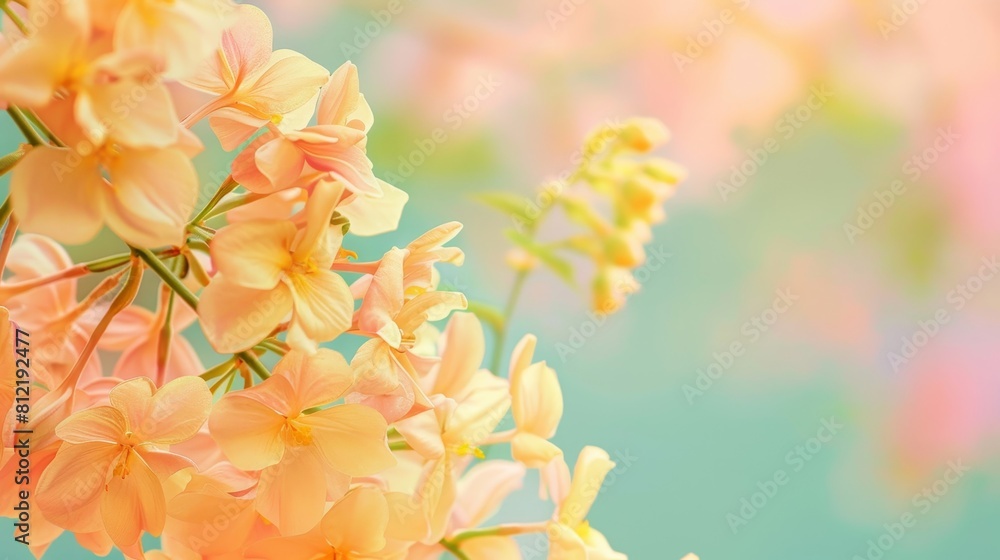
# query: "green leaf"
{"points": [[549, 258], [515, 206]]}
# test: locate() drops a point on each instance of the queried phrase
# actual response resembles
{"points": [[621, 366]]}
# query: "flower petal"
{"points": [[177, 410], [69, 489], [235, 318], [351, 438], [57, 193], [134, 502], [358, 521], [483, 489], [374, 215], [292, 494], [254, 254], [462, 350], [248, 431], [323, 306], [99, 424], [153, 196], [316, 379], [592, 466]]}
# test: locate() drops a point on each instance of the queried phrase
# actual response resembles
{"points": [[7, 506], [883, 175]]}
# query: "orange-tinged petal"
{"points": [[340, 100], [375, 368], [351, 438], [248, 431], [234, 127], [292, 494], [163, 463], [128, 327], [246, 45], [384, 299], [132, 398], [429, 306], [254, 254], [310, 546], [69, 489], [357, 522], [128, 102], [592, 466], [176, 411], [153, 196], [99, 424], [316, 379], [281, 162], [288, 82], [56, 193], [133, 502], [235, 318], [423, 431], [462, 349], [323, 308]]}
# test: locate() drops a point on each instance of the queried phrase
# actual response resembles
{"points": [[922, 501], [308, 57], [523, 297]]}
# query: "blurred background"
{"points": [[813, 372]]}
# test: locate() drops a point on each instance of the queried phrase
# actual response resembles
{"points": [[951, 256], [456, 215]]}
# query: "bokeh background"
{"points": [[840, 226]]}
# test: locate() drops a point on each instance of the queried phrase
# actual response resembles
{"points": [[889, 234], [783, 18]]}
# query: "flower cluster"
{"points": [[382, 456], [612, 196]]}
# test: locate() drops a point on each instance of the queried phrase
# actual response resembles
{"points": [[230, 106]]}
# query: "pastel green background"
{"points": [[693, 463]]}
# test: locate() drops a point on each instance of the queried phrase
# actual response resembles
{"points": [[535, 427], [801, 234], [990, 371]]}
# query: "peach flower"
{"points": [[305, 456], [570, 535], [124, 447]]}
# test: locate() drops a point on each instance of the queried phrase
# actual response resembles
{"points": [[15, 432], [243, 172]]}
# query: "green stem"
{"points": [[45, 129], [250, 359], [168, 277], [30, 134], [15, 18], [399, 446], [274, 345], [233, 202], [454, 550], [175, 283], [227, 186], [507, 530], [5, 210], [504, 327], [8, 161]]}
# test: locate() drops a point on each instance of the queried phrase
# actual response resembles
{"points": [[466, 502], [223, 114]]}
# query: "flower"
{"points": [[145, 195], [570, 535], [268, 269], [125, 447], [332, 150], [254, 85], [304, 455], [64, 63], [445, 436]]}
